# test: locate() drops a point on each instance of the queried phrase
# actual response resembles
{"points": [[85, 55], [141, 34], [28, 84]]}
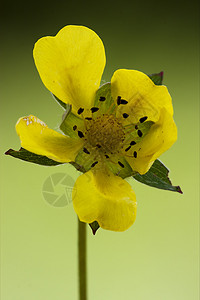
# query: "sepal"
{"points": [[28, 156], [157, 177], [157, 78], [94, 226]]}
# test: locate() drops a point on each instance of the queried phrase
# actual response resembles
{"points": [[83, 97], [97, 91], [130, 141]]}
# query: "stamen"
{"points": [[135, 154], [102, 98], [86, 151], [94, 164], [80, 110], [143, 119], [98, 146], [136, 127], [121, 101], [106, 156], [105, 134], [121, 164], [80, 134], [139, 132], [132, 143], [94, 109], [118, 100], [74, 127], [129, 147], [88, 118], [125, 115]]}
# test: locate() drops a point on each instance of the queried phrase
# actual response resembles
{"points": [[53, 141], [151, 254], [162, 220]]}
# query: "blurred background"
{"points": [[157, 258]]}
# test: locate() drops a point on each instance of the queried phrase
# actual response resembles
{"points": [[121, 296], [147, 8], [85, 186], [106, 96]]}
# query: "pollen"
{"points": [[105, 133]]}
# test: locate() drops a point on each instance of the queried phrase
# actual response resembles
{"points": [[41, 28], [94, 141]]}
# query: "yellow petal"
{"points": [[105, 198], [143, 96], [160, 138], [36, 137], [71, 64]]}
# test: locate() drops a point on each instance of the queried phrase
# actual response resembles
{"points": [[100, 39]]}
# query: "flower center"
{"points": [[105, 133], [107, 139]]}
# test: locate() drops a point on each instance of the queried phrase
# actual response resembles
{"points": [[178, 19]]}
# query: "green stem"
{"points": [[82, 268]]}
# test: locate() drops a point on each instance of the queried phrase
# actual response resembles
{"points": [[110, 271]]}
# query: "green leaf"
{"points": [[64, 105], [83, 163], [116, 169], [157, 177], [77, 166], [84, 160], [157, 78], [32, 157], [144, 127], [69, 120], [104, 92], [94, 226]]}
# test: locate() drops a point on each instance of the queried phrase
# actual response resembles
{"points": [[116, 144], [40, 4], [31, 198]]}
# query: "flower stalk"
{"points": [[82, 267]]}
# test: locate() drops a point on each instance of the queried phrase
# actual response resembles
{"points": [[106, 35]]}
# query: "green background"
{"points": [[157, 258]]}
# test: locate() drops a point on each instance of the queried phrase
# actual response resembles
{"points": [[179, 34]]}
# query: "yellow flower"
{"points": [[112, 132]]}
